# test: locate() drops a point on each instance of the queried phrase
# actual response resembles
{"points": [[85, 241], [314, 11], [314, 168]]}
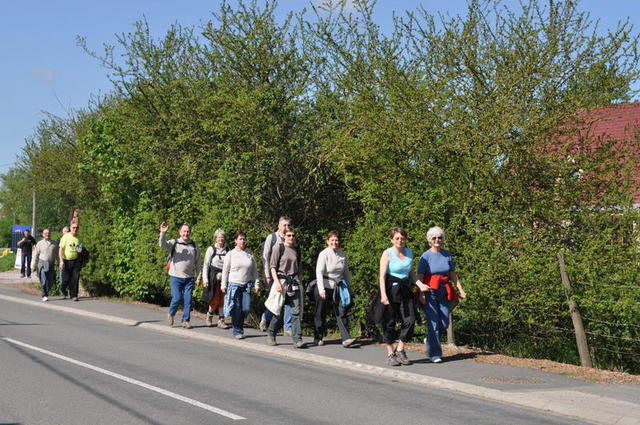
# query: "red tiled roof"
{"points": [[619, 123]]}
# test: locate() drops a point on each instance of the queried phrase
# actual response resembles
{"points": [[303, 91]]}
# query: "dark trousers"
{"points": [[403, 312], [47, 278], [70, 277], [25, 267], [331, 301]]}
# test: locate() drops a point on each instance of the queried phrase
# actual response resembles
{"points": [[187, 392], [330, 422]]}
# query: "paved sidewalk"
{"points": [[556, 394]]}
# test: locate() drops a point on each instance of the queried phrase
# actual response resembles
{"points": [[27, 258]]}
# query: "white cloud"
{"points": [[44, 74]]}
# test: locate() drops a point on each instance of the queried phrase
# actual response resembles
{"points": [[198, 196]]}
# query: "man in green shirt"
{"points": [[69, 252]]}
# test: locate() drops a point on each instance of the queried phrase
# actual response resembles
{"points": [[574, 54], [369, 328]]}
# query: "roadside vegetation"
{"points": [[463, 122]]}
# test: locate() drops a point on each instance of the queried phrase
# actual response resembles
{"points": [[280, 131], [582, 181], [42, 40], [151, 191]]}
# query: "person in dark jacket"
{"points": [[26, 244]]}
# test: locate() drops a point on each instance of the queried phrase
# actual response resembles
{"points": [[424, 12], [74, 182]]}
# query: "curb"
{"points": [[567, 403]]}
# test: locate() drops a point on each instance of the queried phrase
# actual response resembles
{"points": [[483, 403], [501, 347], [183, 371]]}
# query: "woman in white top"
{"points": [[212, 274], [239, 274], [331, 268]]}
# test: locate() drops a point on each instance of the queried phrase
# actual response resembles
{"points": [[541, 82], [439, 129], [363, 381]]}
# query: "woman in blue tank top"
{"points": [[397, 297]]}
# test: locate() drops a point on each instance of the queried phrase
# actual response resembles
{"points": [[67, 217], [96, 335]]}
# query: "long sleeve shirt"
{"points": [[331, 268], [239, 267], [185, 262], [211, 260], [269, 244], [46, 252]]}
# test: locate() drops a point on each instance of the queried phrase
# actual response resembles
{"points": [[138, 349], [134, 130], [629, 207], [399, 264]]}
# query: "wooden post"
{"points": [[576, 318], [451, 340]]}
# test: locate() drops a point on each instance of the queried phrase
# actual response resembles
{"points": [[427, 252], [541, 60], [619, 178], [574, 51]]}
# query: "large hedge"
{"points": [[447, 121]]}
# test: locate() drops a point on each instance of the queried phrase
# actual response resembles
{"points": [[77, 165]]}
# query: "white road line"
{"points": [[129, 380]]}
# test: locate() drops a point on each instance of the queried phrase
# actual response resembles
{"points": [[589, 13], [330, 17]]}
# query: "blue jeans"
{"points": [[267, 315], [238, 306], [25, 267], [437, 311], [181, 292], [294, 303], [47, 278]]}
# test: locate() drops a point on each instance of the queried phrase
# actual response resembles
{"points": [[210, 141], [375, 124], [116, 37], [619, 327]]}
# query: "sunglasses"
{"points": [[290, 235], [436, 238]]}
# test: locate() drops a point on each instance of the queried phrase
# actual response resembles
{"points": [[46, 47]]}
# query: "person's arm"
{"points": [[163, 237], [36, 256], [61, 253], [205, 266], [21, 242], [453, 276], [226, 267], [346, 273], [321, 265], [423, 267], [198, 264], [253, 273], [384, 264], [266, 256], [273, 268]]}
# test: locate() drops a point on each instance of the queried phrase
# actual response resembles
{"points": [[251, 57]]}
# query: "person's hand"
{"points": [[463, 294], [422, 286], [422, 298], [61, 265], [256, 287], [164, 227], [205, 284], [323, 295], [279, 287], [384, 300], [198, 282], [223, 290]]}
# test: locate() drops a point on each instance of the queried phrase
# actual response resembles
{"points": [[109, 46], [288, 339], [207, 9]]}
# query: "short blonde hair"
{"points": [[219, 232]]}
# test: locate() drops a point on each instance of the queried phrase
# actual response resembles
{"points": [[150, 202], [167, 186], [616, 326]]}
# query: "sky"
{"points": [[43, 70]]}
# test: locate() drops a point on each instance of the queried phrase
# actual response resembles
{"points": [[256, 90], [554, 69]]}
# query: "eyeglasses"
{"points": [[436, 238], [290, 235], [74, 227]]}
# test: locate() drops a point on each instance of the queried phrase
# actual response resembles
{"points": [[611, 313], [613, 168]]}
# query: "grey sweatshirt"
{"points": [[186, 257], [239, 267]]}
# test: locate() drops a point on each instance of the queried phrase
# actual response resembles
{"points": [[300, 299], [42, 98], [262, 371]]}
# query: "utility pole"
{"points": [[33, 213]]}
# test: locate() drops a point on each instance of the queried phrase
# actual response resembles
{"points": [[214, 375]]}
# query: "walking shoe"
{"points": [[239, 336], [76, 299], [263, 325], [401, 355], [347, 342], [209, 319], [436, 360], [298, 344], [287, 333], [222, 324], [45, 299], [186, 324], [318, 342], [392, 360], [271, 340], [169, 320]]}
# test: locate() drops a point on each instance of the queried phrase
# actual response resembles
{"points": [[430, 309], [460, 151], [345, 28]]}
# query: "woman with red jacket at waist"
{"points": [[437, 271]]}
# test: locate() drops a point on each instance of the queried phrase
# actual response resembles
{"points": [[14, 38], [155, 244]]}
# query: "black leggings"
{"points": [[332, 300]]}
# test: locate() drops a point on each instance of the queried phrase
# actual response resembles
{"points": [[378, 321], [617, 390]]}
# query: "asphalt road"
{"points": [[62, 369]]}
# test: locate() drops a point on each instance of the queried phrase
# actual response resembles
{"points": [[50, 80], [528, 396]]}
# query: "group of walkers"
{"points": [[230, 275], [68, 253]]}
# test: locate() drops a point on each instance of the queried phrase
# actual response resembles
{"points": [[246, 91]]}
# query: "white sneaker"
{"points": [[45, 299], [436, 360]]}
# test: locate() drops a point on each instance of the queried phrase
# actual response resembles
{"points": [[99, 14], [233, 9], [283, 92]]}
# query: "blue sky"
{"points": [[43, 69]]}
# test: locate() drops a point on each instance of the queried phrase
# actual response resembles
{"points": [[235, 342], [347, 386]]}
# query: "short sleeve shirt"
{"points": [[69, 246], [436, 263]]}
